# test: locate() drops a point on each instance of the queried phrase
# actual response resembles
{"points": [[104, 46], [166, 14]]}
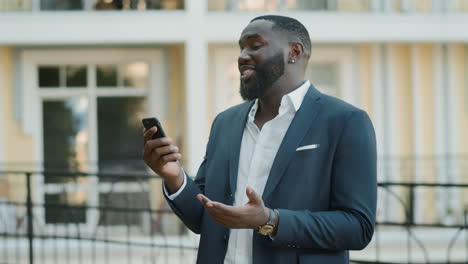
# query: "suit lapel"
{"points": [[238, 125], [299, 127]]}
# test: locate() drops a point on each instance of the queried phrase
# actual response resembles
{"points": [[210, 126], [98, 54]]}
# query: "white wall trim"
{"points": [[86, 27]]}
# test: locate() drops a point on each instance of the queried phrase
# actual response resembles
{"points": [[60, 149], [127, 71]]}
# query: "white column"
{"points": [[417, 128], [386, 6], [36, 5], [379, 87], [376, 6], [440, 125], [196, 87], [406, 6], [392, 129], [377, 100], [93, 181], [453, 128]]}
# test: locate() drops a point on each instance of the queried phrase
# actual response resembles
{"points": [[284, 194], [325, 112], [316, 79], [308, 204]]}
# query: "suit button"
{"points": [[225, 238]]}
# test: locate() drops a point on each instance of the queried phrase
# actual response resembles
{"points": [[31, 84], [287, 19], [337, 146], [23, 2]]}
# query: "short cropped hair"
{"points": [[291, 26]]}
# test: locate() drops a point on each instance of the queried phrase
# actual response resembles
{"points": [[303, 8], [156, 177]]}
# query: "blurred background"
{"points": [[77, 77]]}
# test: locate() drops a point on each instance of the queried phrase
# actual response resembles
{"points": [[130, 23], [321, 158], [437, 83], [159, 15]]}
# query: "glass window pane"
{"points": [[323, 73], [61, 4], [258, 5], [65, 208], [138, 4], [15, 5], [325, 77], [119, 133], [307, 4], [106, 75], [135, 74], [49, 76], [65, 132], [76, 76]]}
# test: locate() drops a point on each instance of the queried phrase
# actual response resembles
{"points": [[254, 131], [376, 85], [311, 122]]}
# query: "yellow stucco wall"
{"points": [[426, 120], [421, 5], [18, 147], [353, 6], [426, 97], [461, 5], [403, 108]]}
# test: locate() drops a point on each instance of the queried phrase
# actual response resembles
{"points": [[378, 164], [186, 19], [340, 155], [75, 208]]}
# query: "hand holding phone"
{"points": [[162, 156], [150, 122]]}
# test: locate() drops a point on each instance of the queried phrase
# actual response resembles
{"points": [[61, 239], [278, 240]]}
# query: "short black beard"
{"points": [[266, 74]]}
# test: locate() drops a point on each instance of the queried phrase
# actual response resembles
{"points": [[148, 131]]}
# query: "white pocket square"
{"points": [[313, 146]]}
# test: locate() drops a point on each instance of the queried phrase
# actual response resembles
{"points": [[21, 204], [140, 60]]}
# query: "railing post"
{"points": [[410, 215], [30, 218], [465, 226]]}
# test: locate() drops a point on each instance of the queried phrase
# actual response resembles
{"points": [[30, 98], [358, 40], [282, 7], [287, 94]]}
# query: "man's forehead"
{"points": [[257, 28]]}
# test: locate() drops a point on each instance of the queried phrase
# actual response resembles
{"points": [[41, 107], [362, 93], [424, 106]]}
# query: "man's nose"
{"points": [[244, 57]]}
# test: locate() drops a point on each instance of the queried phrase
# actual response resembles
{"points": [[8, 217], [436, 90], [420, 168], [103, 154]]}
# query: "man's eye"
{"points": [[256, 47]]}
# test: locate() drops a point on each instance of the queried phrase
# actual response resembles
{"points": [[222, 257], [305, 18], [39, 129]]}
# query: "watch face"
{"points": [[266, 230]]}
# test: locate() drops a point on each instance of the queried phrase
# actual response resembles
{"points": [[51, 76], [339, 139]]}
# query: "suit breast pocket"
{"points": [[307, 153]]}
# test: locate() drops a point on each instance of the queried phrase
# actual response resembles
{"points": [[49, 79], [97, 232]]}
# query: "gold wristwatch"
{"points": [[268, 228]]}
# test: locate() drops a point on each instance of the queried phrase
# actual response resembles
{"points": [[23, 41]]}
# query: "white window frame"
{"points": [[32, 112], [345, 57]]}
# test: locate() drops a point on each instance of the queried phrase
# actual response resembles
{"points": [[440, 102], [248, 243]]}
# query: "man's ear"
{"points": [[296, 52]]}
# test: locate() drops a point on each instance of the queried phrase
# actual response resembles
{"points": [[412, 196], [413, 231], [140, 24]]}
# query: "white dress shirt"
{"points": [[258, 151]]}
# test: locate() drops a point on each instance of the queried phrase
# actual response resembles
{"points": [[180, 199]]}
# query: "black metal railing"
{"points": [[71, 217]]}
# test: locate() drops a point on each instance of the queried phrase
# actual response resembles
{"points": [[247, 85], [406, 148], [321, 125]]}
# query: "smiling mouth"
{"points": [[247, 74]]}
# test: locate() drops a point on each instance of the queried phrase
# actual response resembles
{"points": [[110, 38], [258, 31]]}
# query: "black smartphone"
{"points": [[151, 122]]}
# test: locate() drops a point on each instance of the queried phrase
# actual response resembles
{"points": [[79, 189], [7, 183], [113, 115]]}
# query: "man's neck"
{"points": [[268, 105]]}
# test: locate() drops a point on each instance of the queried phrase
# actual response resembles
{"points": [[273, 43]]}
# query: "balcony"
{"points": [[347, 6], [397, 6], [90, 5]]}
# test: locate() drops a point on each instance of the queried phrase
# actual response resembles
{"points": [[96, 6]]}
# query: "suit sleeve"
{"points": [[186, 206], [349, 224]]}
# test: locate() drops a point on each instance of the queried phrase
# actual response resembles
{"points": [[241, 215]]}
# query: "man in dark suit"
{"points": [[289, 176]]}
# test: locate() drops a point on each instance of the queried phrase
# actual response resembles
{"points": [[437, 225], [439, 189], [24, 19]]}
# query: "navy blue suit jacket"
{"points": [[326, 196]]}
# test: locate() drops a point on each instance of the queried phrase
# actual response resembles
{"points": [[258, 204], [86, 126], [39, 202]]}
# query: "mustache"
{"points": [[241, 66]]}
